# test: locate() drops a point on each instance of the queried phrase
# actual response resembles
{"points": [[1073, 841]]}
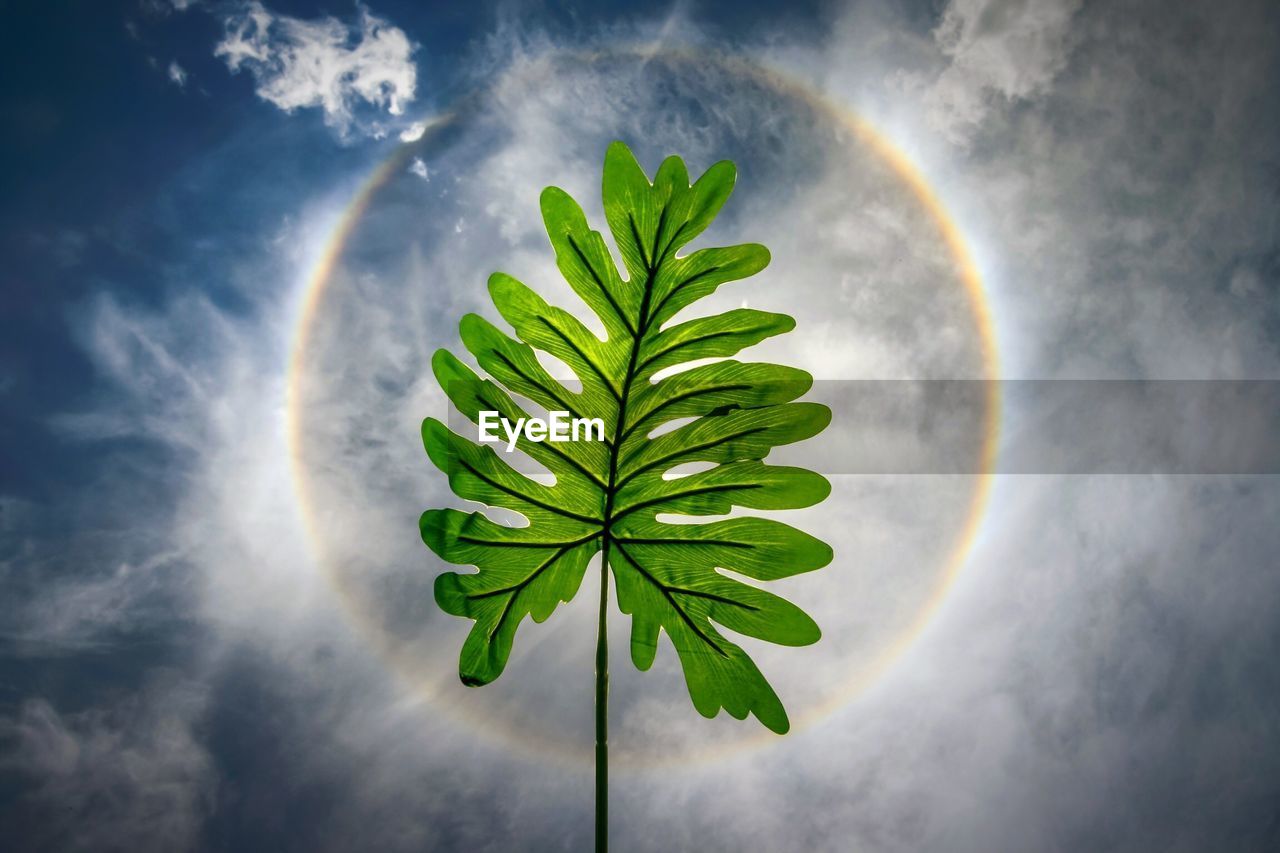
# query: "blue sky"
{"points": [[125, 200], [217, 633]]}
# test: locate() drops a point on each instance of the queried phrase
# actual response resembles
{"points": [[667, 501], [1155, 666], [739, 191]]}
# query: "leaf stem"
{"points": [[602, 710], [602, 640]]}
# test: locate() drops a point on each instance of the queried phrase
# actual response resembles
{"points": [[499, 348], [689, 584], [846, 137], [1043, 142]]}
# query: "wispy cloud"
{"points": [[994, 52]]}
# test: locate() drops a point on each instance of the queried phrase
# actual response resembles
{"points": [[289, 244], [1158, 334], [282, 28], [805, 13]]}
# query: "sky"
{"points": [[235, 232]]}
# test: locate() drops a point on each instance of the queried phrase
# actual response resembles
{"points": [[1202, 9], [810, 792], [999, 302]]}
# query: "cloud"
{"points": [[413, 132], [1096, 678], [130, 774], [298, 64], [167, 7], [419, 168], [177, 74], [995, 51], [93, 608]]}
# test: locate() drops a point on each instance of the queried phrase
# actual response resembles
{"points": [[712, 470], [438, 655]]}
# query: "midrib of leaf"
{"points": [[637, 338], [653, 262], [620, 425]]}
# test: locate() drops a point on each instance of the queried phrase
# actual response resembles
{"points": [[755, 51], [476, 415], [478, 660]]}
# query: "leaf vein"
{"points": [[725, 487], [667, 593], [617, 309], [679, 287], [526, 498], [684, 451], [686, 343], [581, 354], [653, 540], [680, 398], [544, 389]]}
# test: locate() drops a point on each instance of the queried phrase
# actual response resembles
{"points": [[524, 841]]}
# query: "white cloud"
{"points": [[413, 132], [177, 74], [419, 168], [322, 63]]}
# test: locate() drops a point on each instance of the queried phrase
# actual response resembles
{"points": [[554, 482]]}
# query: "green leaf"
{"points": [[607, 495]]}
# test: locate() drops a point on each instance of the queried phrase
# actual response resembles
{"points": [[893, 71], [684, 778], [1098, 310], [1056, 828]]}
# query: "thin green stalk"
{"points": [[602, 710], [602, 640]]}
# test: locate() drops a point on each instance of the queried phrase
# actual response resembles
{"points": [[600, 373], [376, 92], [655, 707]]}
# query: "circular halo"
{"points": [[966, 271]]}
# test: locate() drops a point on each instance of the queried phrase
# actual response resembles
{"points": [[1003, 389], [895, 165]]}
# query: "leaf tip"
{"points": [[778, 727], [759, 257], [430, 430], [500, 283], [824, 555], [471, 324], [673, 172], [723, 172], [618, 149], [824, 488], [621, 167], [447, 590], [428, 524], [445, 367], [550, 196]]}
